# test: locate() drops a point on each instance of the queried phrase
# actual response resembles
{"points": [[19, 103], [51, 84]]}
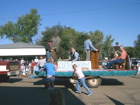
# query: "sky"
{"points": [[119, 18]]}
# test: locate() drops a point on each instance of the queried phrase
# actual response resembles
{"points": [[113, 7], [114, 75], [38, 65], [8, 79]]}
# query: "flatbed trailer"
{"points": [[92, 71], [93, 77]]}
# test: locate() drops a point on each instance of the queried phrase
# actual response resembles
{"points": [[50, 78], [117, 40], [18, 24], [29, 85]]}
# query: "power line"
{"points": [[85, 10], [91, 9]]}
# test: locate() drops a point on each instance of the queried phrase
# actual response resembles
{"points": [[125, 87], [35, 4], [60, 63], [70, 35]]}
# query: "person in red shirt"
{"points": [[32, 66], [48, 49], [119, 59]]}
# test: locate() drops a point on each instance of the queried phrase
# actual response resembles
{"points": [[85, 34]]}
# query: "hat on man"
{"points": [[117, 42], [50, 40]]}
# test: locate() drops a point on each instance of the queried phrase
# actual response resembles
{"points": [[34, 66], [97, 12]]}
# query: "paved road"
{"points": [[113, 91]]}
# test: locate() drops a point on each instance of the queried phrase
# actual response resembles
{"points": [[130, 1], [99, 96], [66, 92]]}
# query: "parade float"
{"points": [[91, 69]]}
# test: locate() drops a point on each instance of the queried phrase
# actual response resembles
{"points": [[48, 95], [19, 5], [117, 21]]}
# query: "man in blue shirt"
{"points": [[74, 55], [88, 47]]}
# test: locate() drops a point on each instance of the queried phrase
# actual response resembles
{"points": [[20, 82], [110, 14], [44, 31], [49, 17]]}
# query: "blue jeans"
{"points": [[82, 82], [108, 66], [47, 55]]}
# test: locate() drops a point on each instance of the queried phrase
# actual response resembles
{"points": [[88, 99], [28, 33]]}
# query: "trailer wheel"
{"points": [[93, 82], [4, 78]]}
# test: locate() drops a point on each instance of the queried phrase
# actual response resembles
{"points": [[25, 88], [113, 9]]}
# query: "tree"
{"points": [[53, 32], [24, 29], [97, 38], [137, 42], [137, 46], [107, 48], [80, 44], [102, 43], [131, 51], [68, 40], [65, 38]]}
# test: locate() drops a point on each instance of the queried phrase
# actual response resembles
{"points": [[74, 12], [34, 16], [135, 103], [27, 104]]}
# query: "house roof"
{"points": [[19, 45]]}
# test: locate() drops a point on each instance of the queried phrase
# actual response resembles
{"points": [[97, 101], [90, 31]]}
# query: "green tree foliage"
{"points": [[50, 33], [97, 38], [137, 42], [102, 43], [137, 47], [133, 52], [106, 47], [68, 40], [80, 44], [136, 50], [71, 38], [24, 29], [8, 29]]}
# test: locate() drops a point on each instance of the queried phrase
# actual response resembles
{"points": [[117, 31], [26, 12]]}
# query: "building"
{"points": [[21, 50]]}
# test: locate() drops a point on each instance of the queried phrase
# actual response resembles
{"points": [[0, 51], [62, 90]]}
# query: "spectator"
{"points": [[22, 61], [26, 63], [138, 65], [41, 62], [32, 66], [57, 97], [36, 60], [22, 68], [1, 59], [59, 59]]}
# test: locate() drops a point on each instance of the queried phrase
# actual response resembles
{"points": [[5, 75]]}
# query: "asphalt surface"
{"points": [[114, 90]]}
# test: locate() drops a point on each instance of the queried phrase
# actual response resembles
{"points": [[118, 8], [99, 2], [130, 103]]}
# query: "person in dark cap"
{"points": [[117, 51], [48, 49], [117, 47]]}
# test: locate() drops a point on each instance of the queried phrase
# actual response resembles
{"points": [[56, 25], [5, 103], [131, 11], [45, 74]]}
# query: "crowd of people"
{"points": [[28, 68]]}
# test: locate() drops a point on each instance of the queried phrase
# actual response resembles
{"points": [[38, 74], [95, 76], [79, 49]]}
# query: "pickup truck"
{"points": [[8, 68]]}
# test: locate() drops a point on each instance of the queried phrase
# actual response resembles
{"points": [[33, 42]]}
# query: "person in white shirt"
{"points": [[22, 61], [36, 60], [22, 68], [81, 80], [138, 65]]}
